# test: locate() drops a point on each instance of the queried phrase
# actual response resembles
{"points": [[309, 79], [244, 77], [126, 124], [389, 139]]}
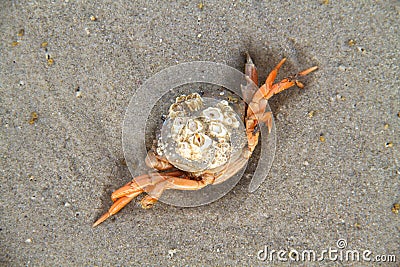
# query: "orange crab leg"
{"points": [[141, 182], [264, 89], [256, 112], [156, 183], [287, 83], [183, 183], [130, 188], [171, 180], [117, 206], [251, 70], [267, 119], [251, 76], [138, 185], [171, 183], [149, 200]]}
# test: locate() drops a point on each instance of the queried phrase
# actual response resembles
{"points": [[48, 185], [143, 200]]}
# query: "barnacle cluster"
{"points": [[200, 133]]}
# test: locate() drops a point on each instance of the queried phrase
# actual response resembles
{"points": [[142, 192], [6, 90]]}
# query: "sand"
{"points": [[77, 64]]}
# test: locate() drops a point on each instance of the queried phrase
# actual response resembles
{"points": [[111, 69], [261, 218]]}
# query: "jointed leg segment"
{"points": [[256, 112]]}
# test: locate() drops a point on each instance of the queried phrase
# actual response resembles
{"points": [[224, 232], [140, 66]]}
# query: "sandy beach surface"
{"points": [[68, 70]]}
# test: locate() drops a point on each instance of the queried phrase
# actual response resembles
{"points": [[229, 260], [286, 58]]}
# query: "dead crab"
{"points": [[203, 141]]}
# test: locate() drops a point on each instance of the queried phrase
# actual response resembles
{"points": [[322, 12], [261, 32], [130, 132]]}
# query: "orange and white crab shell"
{"points": [[200, 134]]}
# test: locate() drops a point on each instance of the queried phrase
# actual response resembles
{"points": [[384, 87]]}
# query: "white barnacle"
{"points": [[194, 147], [194, 101], [213, 114], [201, 134], [230, 119], [193, 126], [176, 110], [224, 102], [217, 129], [200, 140], [180, 99], [178, 124], [184, 150], [224, 106]]}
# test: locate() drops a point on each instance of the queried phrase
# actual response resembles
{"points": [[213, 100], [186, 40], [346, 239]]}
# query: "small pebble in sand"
{"points": [[50, 61], [342, 68], [34, 117], [361, 49], [93, 18], [122, 162], [322, 138], [44, 44], [28, 240], [389, 144], [396, 208], [78, 92], [172, 252], [21, 33], [386, 126], [311, 113], [200, 5], [351, 42], [340, 97]]}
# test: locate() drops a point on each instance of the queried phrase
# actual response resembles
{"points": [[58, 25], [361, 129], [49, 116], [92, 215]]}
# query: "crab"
{"points": [[204, 141]]}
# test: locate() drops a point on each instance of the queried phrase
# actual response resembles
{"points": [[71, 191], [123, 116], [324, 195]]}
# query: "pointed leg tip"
{"points": [[280, 63], [101, 219], [96, 223], [248, 58]]}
